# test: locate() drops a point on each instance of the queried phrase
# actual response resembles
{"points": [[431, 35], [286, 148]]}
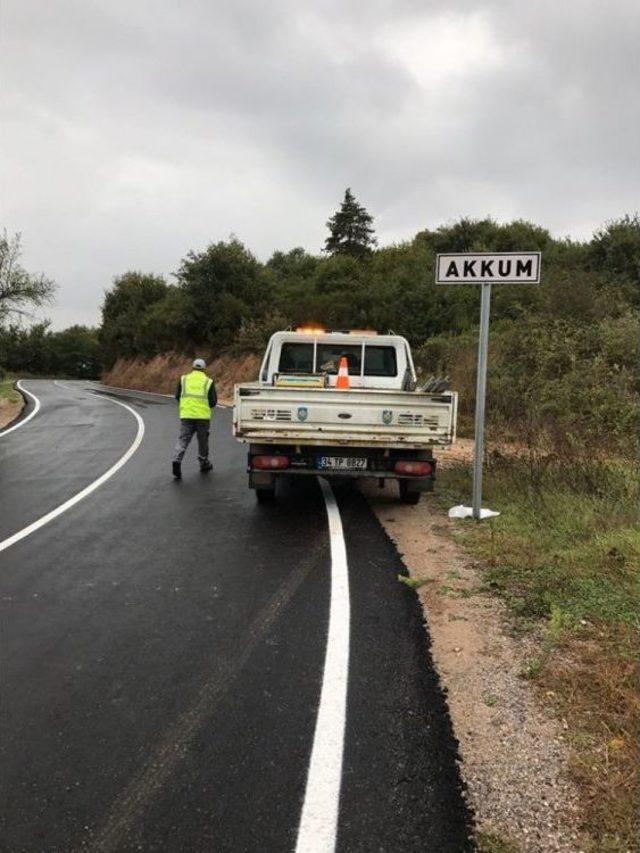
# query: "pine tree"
{"points": [[351, 231]]}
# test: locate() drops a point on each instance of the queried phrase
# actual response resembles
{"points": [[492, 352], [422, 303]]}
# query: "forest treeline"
{"points": [[224, 297], [563, 354], [38, 351]]}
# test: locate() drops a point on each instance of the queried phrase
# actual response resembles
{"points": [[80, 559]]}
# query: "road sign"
{"points": [[503, 267], [485, 269]]}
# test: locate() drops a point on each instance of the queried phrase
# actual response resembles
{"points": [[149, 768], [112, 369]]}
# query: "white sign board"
{"points": [[489, 268]]}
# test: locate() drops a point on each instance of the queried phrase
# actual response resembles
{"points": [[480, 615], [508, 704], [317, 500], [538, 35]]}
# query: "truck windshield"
{"points": [[328, 358], [380, 361], [296, 358]]}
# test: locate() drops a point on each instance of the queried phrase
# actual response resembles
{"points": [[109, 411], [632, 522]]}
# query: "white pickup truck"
{"points": [[297, 422]]}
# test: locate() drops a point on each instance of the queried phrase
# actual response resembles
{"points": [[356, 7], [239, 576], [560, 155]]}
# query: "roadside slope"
{"points": [[161, 374]]}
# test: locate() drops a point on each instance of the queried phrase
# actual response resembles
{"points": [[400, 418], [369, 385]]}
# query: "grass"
{"points": [[490, 842], [565, 556], [414, 583], [490, 700], [8, 392]]}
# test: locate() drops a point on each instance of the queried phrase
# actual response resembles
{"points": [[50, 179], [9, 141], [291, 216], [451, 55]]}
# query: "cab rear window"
{"points": [[328, 358], [296, 358], [380, 361]]}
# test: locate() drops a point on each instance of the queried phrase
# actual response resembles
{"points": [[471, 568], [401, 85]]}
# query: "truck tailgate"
{"points": [[355, 417]]}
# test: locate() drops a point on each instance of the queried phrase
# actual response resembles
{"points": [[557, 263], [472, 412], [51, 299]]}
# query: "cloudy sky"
{"points": [[132, 132]]}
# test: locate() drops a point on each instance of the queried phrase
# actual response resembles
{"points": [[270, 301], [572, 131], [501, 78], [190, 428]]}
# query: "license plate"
{"points": [[342, 463]]}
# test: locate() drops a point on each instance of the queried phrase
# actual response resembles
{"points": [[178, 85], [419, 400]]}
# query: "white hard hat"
{"points": [[199, 364]]}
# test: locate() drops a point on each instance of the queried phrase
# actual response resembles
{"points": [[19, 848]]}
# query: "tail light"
{"points": [[417, 469], [269, 462]]}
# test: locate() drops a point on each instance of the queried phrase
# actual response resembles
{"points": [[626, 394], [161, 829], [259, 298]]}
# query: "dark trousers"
{"points": [[187, 429]]}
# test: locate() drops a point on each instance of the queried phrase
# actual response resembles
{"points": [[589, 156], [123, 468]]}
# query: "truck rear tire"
{"points": [[407, 494], [265, 496]]}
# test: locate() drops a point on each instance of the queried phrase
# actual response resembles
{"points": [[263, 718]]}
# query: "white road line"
{"points": [[35, 411], [36, 525], [319, 821]]}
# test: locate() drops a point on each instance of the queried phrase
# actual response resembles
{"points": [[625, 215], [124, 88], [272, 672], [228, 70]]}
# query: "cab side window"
{"points": [[380, 361], [296, 358]]}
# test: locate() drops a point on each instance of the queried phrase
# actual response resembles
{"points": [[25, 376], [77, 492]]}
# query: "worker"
{"points": [[196, 395]]}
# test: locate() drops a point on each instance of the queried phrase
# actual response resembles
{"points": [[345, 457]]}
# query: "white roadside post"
{"points": [[484, 269], [481, 392]]}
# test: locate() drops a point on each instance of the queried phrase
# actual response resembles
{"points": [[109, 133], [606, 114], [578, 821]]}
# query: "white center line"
{"points": [[35, 411], [45, 519], [318, 828]]}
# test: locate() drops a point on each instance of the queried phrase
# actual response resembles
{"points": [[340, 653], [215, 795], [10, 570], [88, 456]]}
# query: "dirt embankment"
{"points": [[9, 411], [11, 403], [161, 374]]}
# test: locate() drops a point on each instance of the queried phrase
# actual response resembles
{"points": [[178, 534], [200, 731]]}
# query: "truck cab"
{"points": [[374, 361], [342, 404]]}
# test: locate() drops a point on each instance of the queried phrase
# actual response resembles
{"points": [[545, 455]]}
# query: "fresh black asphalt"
{"points": [[162, 647]]}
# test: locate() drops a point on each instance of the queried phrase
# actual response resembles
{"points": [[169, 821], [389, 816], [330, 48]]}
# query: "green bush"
{"points": [[557, 382]]}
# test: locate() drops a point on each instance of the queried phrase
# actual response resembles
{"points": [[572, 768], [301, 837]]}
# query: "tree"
{"points": [[75, 351], [615, 251], [123, 312], [19, 289], [351, 231], [224, 286]]}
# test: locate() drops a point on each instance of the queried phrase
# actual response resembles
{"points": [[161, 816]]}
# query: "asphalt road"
{"points": [[173, 655]]}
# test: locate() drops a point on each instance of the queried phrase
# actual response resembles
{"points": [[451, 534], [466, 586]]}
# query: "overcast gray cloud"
{"points": [[134, 131]]}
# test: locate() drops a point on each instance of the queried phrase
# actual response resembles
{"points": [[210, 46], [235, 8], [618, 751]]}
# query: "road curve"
{"points": [[163, 646]]}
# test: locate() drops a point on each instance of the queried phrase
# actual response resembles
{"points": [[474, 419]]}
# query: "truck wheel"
{"points": [[265, 496], [407, 494]]}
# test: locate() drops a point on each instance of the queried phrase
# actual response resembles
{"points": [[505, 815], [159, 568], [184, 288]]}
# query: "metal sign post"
{"points": [[484, 269], [481, 393]]}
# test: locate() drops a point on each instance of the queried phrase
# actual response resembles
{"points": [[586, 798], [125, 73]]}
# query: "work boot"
{"points": [[205, 466], [177, 470]]}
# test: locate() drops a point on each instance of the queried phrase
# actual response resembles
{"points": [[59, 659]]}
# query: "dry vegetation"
{"points": [[161, 373]]}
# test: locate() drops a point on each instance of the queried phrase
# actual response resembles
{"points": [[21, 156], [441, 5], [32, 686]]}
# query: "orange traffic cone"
{"points": [[343, 374]]}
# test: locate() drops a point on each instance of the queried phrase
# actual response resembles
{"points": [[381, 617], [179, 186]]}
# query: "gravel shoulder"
{"points": [[514, 754]]}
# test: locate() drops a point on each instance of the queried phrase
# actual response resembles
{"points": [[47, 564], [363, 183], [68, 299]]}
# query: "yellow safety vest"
{"points": [[194, 401]]}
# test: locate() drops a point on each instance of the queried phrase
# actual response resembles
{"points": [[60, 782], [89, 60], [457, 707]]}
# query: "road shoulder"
{"points": [[514, 754]]}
